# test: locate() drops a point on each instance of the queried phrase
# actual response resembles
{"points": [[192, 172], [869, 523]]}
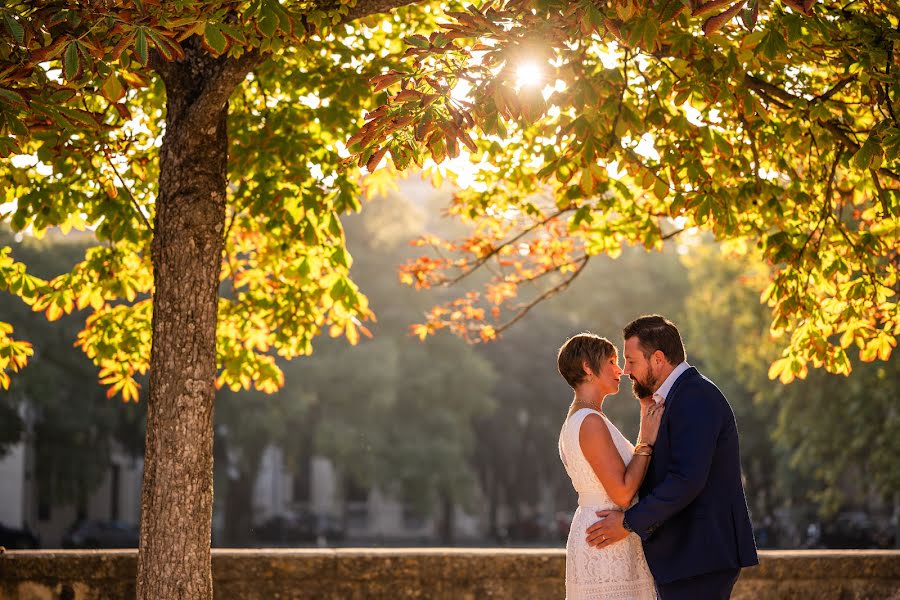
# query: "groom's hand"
{"points": [[608, 530]]}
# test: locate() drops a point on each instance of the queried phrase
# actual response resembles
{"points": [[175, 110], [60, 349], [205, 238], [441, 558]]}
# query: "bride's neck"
{"points": [[587, 399]]}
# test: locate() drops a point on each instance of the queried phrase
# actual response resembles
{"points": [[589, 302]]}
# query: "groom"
{"points": [[692, 515]]}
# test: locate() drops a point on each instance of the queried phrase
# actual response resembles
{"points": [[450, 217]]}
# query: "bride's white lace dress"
{"points": [[618, 571]]}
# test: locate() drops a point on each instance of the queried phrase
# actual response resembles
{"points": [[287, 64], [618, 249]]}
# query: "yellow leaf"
{"points": [[777, 367], [847, 338], [352, 333], [53, 312], [786, 376]]}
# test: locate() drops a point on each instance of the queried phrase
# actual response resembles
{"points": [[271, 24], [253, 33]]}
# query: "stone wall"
{"points": [[425, 573]]}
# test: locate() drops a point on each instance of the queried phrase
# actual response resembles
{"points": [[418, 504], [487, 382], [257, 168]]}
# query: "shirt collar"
{"points": [[663, 392]]}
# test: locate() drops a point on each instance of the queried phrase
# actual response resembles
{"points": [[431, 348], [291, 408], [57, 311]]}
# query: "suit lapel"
{"points": [[658, 462], [690, 372], [672, 392]]}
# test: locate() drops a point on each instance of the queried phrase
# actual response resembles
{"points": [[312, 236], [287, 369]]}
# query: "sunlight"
{"points": [[529, 74], [646, 148]]}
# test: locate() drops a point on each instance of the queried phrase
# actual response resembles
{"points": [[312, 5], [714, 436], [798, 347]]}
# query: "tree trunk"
{"points": [[447, 522], [176, 499]]}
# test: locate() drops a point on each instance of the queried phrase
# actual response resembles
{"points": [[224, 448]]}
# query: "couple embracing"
{"points": [[665, 518]]}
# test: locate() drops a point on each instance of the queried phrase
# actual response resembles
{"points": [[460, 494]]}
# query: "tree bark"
{"points": [[176, 497]]}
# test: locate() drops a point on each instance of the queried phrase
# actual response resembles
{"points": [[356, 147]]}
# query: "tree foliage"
{"points": [[68, 422], [81, 121], [597, 125], [823, 429]]}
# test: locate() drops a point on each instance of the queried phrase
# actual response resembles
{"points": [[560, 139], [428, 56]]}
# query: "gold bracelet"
{"points": [[643, 454]]}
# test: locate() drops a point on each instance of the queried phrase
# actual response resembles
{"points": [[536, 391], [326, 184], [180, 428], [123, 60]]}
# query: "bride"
{"points": [[606, 471]]}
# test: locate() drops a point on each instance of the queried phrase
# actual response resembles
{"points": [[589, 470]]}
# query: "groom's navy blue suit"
{"points": [[692, 515]]}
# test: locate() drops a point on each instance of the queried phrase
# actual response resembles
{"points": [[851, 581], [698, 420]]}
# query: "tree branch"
{"points": [[838, 87], [789, 101], [229, 72], [371, 7], [523, 310], [134, 202], [496, 250]]}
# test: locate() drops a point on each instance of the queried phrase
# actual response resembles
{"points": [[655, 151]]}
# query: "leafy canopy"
{"points": [[81, 122], [771, 125], [593, 126]]}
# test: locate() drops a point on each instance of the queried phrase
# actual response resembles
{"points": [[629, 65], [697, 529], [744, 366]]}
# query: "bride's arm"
{"points": [[597, 445]]}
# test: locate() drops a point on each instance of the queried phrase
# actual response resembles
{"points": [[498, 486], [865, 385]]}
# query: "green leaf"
{"points": [[234, 33], [78, 116], [15, 125], [593, 17], [11, 97], [214, 38], [772, 45], [339, 257], [71, 61], [650, 29], [267, 23], [418, 41], [586, 182], [8, 147], [869, 154], [582, 215], [112, 88], [15, 28], [140, 45], [750, 14], [660, 189]]}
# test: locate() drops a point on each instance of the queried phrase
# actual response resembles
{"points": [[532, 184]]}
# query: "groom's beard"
{"points": [[642, 389]]}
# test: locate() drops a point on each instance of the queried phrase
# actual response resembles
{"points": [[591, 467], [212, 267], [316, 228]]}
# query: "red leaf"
{"points": [[375, 159]]}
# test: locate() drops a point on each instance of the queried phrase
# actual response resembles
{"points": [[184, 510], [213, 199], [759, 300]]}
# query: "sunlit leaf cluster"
{"points": [[772, 125]]}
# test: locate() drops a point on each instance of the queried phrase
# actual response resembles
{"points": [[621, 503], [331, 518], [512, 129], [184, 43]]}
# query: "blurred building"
{"points": [[347, 512], [23, 505]]}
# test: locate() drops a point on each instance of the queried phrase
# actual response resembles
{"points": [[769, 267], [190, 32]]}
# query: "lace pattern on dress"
{"points": [[619, 571]]}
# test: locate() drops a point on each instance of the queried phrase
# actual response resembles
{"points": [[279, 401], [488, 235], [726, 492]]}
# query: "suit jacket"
{"points": [[692, 514]]}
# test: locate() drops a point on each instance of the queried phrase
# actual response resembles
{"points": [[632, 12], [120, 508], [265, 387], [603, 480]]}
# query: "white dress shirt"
{"points": [[662, 393]]}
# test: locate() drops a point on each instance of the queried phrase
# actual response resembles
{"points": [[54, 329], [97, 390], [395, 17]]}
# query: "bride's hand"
{"points": [[651, 415]]}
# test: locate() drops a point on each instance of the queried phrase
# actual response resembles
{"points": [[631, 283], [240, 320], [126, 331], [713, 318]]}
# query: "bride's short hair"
{"points": [[578, 349]]}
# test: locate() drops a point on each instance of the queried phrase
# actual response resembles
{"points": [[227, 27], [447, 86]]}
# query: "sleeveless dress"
{"points": [[618, 571]]}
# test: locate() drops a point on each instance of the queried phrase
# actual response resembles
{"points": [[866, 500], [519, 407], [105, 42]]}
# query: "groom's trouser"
{"points": [[709, 586]]}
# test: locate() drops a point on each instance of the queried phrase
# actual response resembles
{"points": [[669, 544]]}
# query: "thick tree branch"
{"points": [[838, 87], [229, 73]]}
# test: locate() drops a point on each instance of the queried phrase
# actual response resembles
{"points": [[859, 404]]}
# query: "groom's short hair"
{"points": [[655, 332]]}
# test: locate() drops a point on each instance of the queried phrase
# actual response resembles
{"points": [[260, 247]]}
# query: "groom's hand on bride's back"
{"points": [[608, 530]]}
